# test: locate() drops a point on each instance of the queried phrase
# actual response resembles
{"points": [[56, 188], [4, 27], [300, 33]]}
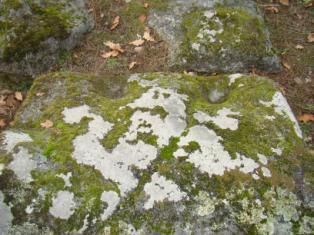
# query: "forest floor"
{"points": [[289, 25]]}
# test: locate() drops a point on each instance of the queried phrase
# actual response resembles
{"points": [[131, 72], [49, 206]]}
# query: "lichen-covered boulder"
{"points": [[152, 154], [34, 32], [215, 36]]}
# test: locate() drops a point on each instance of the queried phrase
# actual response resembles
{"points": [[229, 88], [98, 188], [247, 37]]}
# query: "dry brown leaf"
{"points": [[132, 65], [137, 42], [146, 5], [286, 65], [114, 46], [10, 101], [310, 37], [39, 94], [272, 9], [147, 35], [18, 95], [115, 23], [110, 54], [284, 2], [2, 100], [299, 47], [306, 118], [2, 123], [47, 124], [142, 18]]}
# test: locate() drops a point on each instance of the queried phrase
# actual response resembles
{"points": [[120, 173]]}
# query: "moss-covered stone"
{"points": [[33, 33], [156, 155], [215, 36]]}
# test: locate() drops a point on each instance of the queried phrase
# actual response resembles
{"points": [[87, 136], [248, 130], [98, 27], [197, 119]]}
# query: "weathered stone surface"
{"points": [[34, 33], [156, 153], [215, 36]]}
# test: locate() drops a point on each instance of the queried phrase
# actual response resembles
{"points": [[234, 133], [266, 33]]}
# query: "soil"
{"points": [[288, 28]]}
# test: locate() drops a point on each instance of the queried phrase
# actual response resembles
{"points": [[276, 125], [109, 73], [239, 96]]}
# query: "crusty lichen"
{"points": [[254, 204], [229, 36]]}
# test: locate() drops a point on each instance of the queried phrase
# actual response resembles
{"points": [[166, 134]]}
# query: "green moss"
{"points": [[167, 152], [25, 33], [240, 32], [254, 135]]}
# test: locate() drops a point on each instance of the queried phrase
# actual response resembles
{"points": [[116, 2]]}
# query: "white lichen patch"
{"points": [[112, 200], [5, 216], [160, 189], [282, 107], [11, 139], [278, 151], [85, 225], [1, 168], [22, 165], [29, 209], [63, 205], [212, 158], [234, 77], [206, 203], [115, 166], [222, 118], [66, 178], [262, 159], [206, 31], [74, 115], [174, 123], [266, 172]]}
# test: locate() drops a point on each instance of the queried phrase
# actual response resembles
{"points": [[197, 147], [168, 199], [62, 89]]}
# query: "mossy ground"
{"points": [[88, 184]]}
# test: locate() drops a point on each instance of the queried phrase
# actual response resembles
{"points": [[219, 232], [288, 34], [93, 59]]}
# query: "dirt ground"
{"points": [[289, 27]]}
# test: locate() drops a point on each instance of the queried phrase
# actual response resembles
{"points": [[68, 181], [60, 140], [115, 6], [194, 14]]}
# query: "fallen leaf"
{"points": [[284, 2], [137, 42], [132, 64], [310, 37], [142, 18], [272, 9], [47, 124], [18, 95], [306, 118], [114, 46], [299, 47], [115, 23], [286, 65], [2, 100], [2, 123], [39, 94], [110, 54], [146, 5], [147, 35], [11, 101]]}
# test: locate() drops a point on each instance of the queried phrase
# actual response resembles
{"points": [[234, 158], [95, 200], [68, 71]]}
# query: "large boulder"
{"points": [[153, 154], [34, 32], [215, 35]]}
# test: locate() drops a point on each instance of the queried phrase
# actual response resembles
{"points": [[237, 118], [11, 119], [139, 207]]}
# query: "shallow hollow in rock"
{"points": [[215, 36], [159, 158]]}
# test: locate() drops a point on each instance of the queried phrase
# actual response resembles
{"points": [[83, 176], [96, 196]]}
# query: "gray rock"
{"points": [[34, 33], [215, 36], [155, 154]]}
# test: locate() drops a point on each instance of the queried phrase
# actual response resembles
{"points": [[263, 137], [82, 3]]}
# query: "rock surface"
{"points": [[153, 154], [34, 33], [215, 36]]}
